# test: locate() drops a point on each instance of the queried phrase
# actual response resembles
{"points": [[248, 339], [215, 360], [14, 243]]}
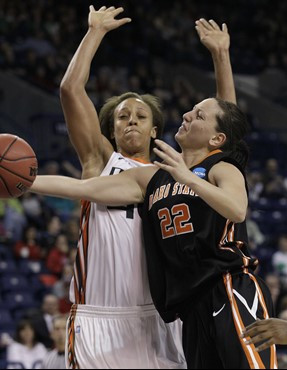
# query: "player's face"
{"points": [[199, 125], [133, 126]]}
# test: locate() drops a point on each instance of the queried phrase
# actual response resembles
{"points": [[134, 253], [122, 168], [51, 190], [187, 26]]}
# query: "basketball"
{"points": [[18, 166]]}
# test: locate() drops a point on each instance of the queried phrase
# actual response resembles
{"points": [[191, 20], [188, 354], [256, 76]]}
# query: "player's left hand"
{"points": [[173, 162]]}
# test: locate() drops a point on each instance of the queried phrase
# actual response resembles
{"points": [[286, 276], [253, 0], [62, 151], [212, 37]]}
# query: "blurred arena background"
{"points": [[158, 53]]}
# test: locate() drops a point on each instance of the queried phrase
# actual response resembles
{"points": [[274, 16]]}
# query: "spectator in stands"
{"points": [[279, 260], [62, 287], [60, 207], [255, 236], [273, 181], [55, 359], [273, 282], [53, 229], [255, 184], [25, 352], [14, 218], [33, 209], [43, 318], [28, 247], [58, 255], [71, 230]]}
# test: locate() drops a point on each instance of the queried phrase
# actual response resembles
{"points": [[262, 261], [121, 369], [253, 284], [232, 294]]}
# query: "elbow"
{"points": [[239, 216], [69, 88]]}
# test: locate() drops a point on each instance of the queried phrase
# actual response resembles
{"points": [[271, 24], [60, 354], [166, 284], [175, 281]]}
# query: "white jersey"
{"points": [[110, 267]]}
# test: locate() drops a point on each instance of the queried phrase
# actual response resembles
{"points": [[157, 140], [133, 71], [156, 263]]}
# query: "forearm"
{"points": [[223, 75], [107, 190], [78, 71]]}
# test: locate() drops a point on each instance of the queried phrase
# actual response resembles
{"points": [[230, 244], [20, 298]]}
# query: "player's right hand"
{"points": [[104, 18], [211, 36]]}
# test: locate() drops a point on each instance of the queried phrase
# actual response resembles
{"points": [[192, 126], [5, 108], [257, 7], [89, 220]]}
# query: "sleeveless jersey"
{"points": [[188, 244], [110, 267]]}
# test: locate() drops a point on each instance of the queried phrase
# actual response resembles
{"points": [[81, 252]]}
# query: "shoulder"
{"points": [[225, 169]]}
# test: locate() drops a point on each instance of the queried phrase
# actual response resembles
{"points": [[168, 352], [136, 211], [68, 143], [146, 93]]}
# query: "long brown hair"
{"points": [[234, 125]]}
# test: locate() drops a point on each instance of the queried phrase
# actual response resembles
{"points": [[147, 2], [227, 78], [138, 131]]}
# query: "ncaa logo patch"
{"points": [[78, 329], [200, 172]]}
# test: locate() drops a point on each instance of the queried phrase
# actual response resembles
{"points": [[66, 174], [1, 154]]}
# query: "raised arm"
{"points": [[93, 149], [217, 41], [128, 187]]}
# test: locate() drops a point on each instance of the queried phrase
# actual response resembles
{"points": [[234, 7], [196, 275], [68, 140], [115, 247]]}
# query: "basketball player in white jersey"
{"points": [[113, 323]]}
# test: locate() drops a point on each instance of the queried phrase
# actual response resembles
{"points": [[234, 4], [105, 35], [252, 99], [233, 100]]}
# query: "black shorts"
{"points": [[212, 328]]}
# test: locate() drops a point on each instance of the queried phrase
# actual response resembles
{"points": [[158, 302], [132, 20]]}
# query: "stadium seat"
{"points": [[3, 364], [5, 253], [16, 300], [14, 282], [27, 267], [6, 320], [7, 266]]}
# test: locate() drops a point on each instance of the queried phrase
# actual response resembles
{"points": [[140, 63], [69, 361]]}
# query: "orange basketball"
{"points": [[18, 166]]}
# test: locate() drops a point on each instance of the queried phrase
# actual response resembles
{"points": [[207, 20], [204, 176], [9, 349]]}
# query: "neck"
{"points": [[192, 157], [141, 156]]}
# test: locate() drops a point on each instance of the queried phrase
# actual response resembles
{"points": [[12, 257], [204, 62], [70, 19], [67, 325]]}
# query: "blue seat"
{"points": [[5, 253], [3, 364], [7, 266], [5, 316], [15, 300], [14, 282], [27, 267]]}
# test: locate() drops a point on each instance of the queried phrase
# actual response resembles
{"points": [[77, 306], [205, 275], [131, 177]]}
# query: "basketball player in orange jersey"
{"points": [[196, 244], [113, 323]]}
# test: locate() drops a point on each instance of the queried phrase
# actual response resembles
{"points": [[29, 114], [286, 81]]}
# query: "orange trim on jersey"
{"points": [[208, 155], [252, 355], [140, 160], [273, 356], [80, 265], [73, 363]]}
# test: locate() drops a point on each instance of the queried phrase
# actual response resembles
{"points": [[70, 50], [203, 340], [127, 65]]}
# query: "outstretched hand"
{"points": [[173, 162], [104, 18], [211, 36]]}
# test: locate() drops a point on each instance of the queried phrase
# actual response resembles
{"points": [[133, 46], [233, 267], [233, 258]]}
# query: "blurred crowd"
{"points": [[38, 39]]}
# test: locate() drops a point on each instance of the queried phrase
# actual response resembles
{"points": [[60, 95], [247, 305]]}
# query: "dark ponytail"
{"points": [[234, 125]]}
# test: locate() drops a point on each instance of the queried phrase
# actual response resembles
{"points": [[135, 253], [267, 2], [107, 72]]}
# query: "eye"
{"points": [[142, 117], [123, 116], [199, 116]]}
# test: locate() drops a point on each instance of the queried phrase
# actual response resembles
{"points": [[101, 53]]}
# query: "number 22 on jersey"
{"points": [[175, 221]]}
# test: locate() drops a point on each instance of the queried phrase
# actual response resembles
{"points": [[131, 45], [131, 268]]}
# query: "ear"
{"points": [[153, 132], [217, 140]]}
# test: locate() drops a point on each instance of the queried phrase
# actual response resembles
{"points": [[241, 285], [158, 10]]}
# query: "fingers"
{"points": [[207, 25], [167, 149], [123, 21], [265, 345], [224, 28], [161, 165], [92, 9], [214, 24], [165, 157]]}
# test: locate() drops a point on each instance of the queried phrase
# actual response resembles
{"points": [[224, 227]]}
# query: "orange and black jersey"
{"points": [[188, 244]]}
